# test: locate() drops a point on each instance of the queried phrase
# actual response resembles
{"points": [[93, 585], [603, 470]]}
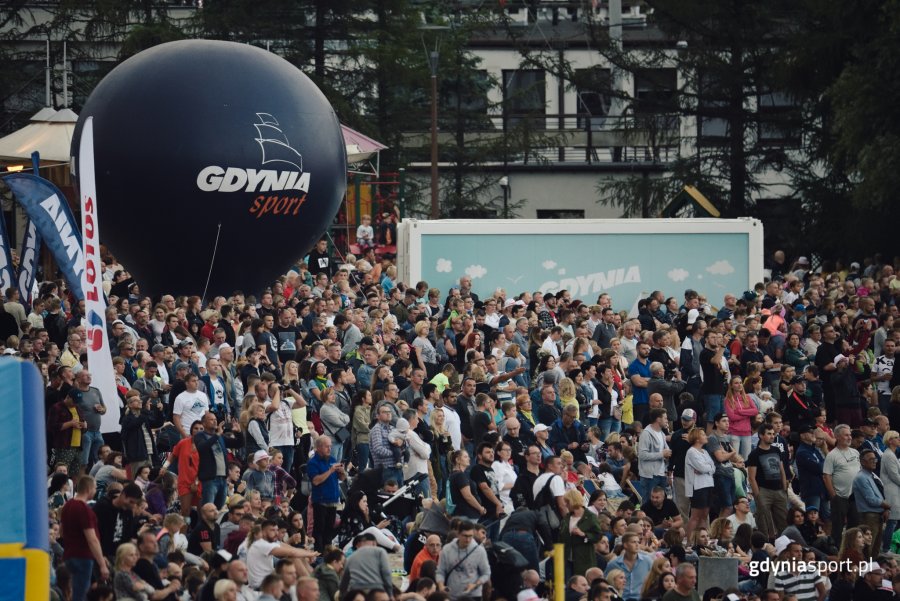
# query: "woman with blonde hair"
{"points": [[567, 394], [578, 532], [659, 567], [741, 411], [126, 583], [513, 360], [698, 479], [890, 476], [441, 445], [616, 579]]}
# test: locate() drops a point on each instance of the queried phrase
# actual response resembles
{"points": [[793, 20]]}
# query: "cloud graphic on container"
{"points": [[678, 274], [476, 271], [444, 266], [548, 264], [720, 268]]}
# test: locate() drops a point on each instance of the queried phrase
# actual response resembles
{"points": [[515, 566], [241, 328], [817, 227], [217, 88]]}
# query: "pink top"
{"points": [[741, 410]]}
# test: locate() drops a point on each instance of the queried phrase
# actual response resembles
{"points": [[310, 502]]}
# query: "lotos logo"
{"points": [[94, 330], [276, 149]]}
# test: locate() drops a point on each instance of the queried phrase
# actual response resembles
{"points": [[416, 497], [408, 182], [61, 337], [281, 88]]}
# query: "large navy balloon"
{"points": [[192, 134]]}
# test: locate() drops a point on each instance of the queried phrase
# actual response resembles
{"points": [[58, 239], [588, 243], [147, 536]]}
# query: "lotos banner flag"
{"points": [[99, 357], [28, 263], [7, 278], [49, 211]]}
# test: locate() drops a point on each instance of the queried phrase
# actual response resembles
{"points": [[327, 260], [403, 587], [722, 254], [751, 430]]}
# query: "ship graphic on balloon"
{"points": [[274, 144]]}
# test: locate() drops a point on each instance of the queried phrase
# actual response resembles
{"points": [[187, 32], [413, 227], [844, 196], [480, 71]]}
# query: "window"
{"points": [[655, 91], [467, 97], [560, 213], [778, 120], [594, 93], [524, 98], [712, 111]]}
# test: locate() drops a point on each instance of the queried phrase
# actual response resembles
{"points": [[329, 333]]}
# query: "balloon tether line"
{"points": [[212, 262]]}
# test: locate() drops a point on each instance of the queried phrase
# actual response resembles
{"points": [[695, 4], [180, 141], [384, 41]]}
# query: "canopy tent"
{"points": [[361, 149], [49, 132]]}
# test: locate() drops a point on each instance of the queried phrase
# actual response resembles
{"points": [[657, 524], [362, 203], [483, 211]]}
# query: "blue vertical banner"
{"points": [[7, 274], [28, 263], [48, 209]]}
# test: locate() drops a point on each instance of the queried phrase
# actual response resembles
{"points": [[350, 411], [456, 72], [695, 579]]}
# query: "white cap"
{"points": [[869, 566], [260, 455], [781, 543], [839, 358], [541, 428], [693, 314]]}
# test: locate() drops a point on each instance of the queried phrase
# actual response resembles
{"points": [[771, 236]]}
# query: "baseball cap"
{"points": [[224, 345], [693, 314], [839, 358], [402, 425], [158, 348], [781, 543], [868, 422], [870, 566], [185, 342], [799, 307], [689, 414], [797, 379], [811, 508], [260, 455], [540, 428], [804, 428]]}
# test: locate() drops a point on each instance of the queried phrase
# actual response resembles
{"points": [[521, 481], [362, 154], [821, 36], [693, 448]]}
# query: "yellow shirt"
{"points": [[441, 382], [628, 410], [76, 433]]}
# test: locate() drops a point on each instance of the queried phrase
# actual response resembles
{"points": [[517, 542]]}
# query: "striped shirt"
{"points": [[803, 584]]}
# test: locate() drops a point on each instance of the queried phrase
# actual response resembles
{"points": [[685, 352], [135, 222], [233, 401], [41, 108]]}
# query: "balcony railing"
{"points": [[571, 138]]}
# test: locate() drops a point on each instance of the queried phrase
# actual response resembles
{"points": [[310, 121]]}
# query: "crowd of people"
{"points": [[347, 436]]}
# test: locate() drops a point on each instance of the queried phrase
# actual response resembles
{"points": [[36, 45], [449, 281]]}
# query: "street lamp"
{"points": [[504, 185], [433, 58]]}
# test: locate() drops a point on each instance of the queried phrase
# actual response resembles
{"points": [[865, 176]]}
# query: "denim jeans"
{"points": [[712, 404], [287, 452], [609, 425], [81, 570], [392, 473], [889, 529], [337, 451], [213, 492], [647, 484], [90, 446], [821, 503]]}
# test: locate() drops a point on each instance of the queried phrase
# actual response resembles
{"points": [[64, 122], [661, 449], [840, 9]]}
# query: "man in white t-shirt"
{"points": [[551, 342], [452, 421], [262, 553], [190, 405], [557, 488]]}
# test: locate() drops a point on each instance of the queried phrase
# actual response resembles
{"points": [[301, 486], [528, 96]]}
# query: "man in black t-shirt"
{"points": [[662, 511], [769, 483], [205, 537], [482, 421], [147, 570], [712, 390], [288, 336], [115, 516], [484, 481], [751, 353]]}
